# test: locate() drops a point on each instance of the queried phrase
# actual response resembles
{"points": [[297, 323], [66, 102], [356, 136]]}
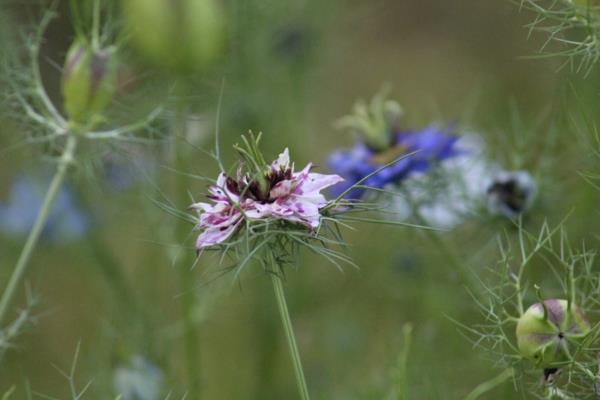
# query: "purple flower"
{"points": [[429, 146], [285, 195]]}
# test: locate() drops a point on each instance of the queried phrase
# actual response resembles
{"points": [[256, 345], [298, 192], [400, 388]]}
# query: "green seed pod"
{"points": [[89, 81], [181, 35], [546, 333]]}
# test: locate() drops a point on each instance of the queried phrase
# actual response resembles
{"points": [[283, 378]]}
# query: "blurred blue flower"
{"points": [[126, 167], [65, 222], [430, 145]]}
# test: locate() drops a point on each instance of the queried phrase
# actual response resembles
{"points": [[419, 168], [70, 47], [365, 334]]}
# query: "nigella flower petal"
{"points": [[294, 209], [307, 212], [354, 161], [201, 206], [283, 161], [258, 212], [281, 189], [213, 236], [429, 143], [395, 163], [302, 175], [317, 182], [220, 192], [353, 166]]}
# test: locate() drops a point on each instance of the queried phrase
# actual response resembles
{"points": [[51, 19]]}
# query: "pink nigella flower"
{"points": [[280, 194]]}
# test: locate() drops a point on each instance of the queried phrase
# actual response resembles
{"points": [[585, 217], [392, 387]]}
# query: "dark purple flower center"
{"points": [[249, 188]]}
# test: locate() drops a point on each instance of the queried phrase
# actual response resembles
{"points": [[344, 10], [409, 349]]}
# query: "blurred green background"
{"points": [[289, 70]]}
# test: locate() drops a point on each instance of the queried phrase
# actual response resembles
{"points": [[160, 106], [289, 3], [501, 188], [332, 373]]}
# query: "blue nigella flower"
{"points": [[430, 145], [381, 142], [65, 222]]}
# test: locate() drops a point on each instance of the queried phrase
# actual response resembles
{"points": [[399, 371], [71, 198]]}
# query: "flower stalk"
{"points": [[402, 373], [23, 262], [276, 278]]}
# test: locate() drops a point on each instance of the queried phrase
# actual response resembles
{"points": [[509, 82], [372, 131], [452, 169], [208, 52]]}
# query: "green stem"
{"points": [[38, 226], [186, 274], [485, 387], [289, 333], [96, 25], [268, 334], [402, 376], [570, 287]]}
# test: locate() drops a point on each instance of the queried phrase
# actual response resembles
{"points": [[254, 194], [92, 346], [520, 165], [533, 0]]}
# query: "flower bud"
{"points": [[89, 81], [181, 35], [547, 331]]}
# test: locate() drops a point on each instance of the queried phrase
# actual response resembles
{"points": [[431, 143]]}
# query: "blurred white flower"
{"points": [[139, 379], [455, 191], [198, 128], [463, 186]]}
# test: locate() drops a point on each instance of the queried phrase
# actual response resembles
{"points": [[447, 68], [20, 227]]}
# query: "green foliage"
{"points": [[288, 69], [571, 24], [567, 272]]}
